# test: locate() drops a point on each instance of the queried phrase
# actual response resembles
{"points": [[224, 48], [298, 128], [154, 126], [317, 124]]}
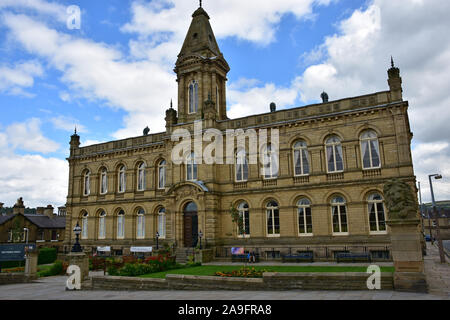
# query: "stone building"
{"points": [[326, 197], [44, 228]]}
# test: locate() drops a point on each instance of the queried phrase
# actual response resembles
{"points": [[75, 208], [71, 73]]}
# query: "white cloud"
{"points": [[14, 79], [27, 136], [40, 181], [67, 124], [38, 6]]}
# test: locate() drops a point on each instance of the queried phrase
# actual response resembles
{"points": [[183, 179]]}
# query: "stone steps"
{"points": [[182, 255]]}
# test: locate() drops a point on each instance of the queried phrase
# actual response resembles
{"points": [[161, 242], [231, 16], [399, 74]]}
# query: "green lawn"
{"points": [[210, 270]]}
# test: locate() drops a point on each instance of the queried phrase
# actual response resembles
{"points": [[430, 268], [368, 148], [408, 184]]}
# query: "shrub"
{"points": [[58, 268], [242, 273], [47, 255]]}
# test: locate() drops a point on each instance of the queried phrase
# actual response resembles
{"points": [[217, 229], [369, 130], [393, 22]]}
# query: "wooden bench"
{"points": [[299, 257], [243, 257], [353, 257]]}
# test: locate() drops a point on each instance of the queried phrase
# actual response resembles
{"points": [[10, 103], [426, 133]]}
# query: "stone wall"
{"points": [[270, 281], [13, 278]]}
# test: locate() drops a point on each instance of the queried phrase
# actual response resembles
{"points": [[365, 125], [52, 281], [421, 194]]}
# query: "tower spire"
{"points": [[200, 3], [392, 62]]}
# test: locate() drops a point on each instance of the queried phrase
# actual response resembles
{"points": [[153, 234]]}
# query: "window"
{"points": [[339, 215], [191, 167], [122, 179], [84, 225], [304, 217], [120, 225], [162, 174], [193, 97], [244, 213], [273, 219], [141, 224], [334, 154], [218, 98], [377, 220], [301, 163], [41, 235], [101, 225], [241, 166], [86, 183], [103, 181], [141, 177], [54, 235], [270, 162], [162, 223], [10, 236], [370, 150]]}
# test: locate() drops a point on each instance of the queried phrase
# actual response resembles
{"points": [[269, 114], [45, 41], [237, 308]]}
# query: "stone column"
{"points": [[81, 260], [407, 255], [31, 262]]}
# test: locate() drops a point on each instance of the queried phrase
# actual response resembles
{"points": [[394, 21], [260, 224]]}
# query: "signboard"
{"points": [[15, 252], [104, 249], [141, 249]]}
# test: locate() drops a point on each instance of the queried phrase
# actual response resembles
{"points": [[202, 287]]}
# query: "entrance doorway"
{"points": [[190, 225]]}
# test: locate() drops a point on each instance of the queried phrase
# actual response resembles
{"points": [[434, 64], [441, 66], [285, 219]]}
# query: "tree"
{"points": [[17, 230]]}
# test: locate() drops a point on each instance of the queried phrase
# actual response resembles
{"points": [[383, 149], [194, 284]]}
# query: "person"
{"points": [[252, 257]]}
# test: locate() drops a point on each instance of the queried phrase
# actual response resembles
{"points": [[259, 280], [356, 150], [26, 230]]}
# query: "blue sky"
{"points": [[113, 76]]}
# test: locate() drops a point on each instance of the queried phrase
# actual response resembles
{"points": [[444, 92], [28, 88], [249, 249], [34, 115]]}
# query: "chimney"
{"points": [[48, 211], [19, 207], [40, 210]]}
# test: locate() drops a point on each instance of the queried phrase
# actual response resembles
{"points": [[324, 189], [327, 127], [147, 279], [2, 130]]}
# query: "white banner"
{"points": [[141, 249], [104, 249]]}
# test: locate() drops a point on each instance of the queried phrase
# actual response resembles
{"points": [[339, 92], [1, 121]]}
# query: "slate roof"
{"points": [[4, 219], [44, 222]]}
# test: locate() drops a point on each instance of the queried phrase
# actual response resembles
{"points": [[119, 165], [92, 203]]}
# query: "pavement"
{"points": [[53, 288]]}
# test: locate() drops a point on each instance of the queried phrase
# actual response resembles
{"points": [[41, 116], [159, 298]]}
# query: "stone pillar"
{"points": [[406, 246], [81, 260], [31, 262]]}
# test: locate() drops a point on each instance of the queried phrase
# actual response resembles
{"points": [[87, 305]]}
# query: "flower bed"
{"points": [[242, 273]]}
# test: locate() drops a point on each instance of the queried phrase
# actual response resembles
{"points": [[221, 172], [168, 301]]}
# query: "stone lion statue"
{"points": [[400, 200]]}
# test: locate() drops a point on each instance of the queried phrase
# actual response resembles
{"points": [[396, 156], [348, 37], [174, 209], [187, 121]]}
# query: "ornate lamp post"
{"points": [[438, 230], [200, 234], [77, 247], [157, 237]]}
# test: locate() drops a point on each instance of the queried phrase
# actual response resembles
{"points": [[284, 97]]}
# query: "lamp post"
{"points": [[200, 234], [157, 237], [77, 247], [438, 231], [27, 231]]}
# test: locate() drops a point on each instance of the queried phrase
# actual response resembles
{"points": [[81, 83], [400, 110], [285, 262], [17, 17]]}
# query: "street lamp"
{"points": [[200, 234], [157, 237], [438, 230], [77, 247]]}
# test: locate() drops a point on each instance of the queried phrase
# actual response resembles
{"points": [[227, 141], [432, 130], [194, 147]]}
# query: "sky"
{"points": [[113, 76]]}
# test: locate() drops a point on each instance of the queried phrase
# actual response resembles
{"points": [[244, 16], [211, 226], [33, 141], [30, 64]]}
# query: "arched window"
{"points": [[270, 162], [122, 179], [191, 167], [141, 177], [273, 219], [87, 183], [377, 218], [370, 150], [162, 174], [244, 213], [140, 232], [162, 223], [193, 97], [84, 225], [121, 225], [339, 215], [103, 181], [334, 154], [102, 225], [241, 166], [301, 163], [304, 217]]}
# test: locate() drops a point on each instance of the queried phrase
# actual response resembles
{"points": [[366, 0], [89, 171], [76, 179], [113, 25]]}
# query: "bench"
{"points": [[243, 257], [299, 257], [353, 257]]}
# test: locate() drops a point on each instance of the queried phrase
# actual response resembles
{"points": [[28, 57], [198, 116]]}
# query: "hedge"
{"points": [[47, 255]]}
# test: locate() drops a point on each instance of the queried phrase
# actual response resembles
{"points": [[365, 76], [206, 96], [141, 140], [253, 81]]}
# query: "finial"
{"points": [[200, 3], [171, 105], [392, 62], [75, 129]]}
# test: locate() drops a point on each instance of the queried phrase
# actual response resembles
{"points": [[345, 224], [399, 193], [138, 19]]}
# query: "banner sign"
{"points": [[237, 250], [141, 249], [104, 249], [15, 252]]}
